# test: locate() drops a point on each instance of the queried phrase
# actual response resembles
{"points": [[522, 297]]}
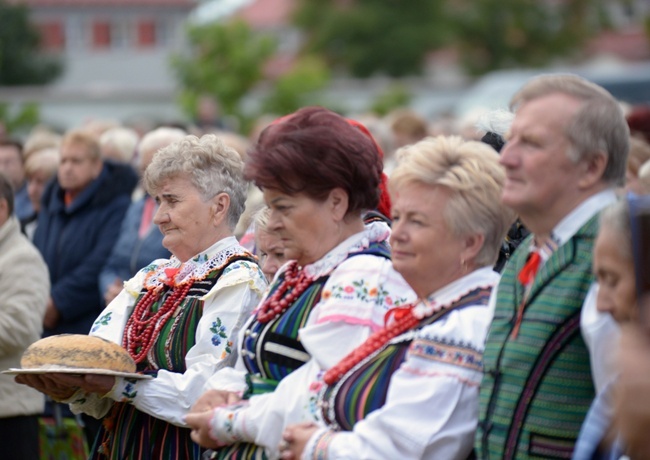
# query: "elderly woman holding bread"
{"points": [[177, 318]]}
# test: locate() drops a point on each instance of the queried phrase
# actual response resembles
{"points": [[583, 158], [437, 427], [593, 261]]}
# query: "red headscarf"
{"points": [[384, 199]]}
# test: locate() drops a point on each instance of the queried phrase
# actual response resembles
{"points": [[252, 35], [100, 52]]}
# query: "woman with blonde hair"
{"points": [[411, 390]]}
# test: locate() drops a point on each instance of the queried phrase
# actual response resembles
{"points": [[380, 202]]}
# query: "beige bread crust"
{"points": [[77, 351]]}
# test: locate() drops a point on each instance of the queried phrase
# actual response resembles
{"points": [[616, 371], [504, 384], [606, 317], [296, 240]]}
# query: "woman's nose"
{"points": [[160, 216]]}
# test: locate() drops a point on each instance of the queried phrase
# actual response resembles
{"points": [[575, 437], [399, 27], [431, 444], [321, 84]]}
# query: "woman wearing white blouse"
{"points": [[411, 390]]}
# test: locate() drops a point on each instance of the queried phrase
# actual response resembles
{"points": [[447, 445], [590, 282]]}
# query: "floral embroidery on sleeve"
{"points": [[102, 321], [129, 393], [218, 330], [227, 350]]}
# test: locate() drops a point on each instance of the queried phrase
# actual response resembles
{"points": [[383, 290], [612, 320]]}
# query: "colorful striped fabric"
{"points": [[271, 351], [365, 387], [128, 433], [537, 385]]}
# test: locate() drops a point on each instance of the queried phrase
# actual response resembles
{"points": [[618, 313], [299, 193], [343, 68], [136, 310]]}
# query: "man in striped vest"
{"points": [[548, 349]]}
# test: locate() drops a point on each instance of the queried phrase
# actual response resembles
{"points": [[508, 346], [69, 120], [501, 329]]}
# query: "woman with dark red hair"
{"points": [[319, 174]]}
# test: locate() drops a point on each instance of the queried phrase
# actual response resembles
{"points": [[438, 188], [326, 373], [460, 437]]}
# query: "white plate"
{"points": [[76, 370]]}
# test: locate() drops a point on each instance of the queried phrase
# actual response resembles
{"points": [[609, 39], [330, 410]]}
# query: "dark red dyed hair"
{"points": [[314, 151]]}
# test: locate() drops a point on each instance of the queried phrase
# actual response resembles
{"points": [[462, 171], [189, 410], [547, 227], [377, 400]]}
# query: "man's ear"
{"points": [[593, 169]]}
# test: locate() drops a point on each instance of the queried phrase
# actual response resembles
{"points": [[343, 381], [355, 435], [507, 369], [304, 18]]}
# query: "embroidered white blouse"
{"points": [[231, 300], [431, 409], [354, 300]]}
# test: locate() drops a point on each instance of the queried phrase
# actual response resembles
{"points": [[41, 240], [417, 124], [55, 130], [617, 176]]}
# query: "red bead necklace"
{"points": [[278, 302], [372, 344], [144, 325]]}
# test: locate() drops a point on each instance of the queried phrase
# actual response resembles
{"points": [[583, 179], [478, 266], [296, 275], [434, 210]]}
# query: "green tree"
{"points": [[20, 61], [225, 62], [298, 87], [394, 96], [19, 118], [367, 37], [494, 34]]}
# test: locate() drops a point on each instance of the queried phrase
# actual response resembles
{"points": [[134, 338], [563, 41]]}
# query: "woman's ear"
{"points": [[219, 208], [338, 201], [472, 246]]}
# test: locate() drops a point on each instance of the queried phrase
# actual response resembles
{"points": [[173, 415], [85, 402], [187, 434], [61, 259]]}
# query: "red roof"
{"points": [[631, 44], [91, 3], [267, 13]]}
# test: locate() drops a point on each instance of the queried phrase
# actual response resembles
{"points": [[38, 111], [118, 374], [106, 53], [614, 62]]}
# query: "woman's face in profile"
{"points": [[306, 227], [184, 218], [615, 275], [271, 252]]}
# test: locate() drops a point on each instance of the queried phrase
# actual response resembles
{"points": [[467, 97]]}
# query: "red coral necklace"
{"points": [[403, 323], [144, 325], [274, 305]]}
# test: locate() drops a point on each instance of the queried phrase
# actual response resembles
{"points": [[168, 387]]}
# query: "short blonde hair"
{"points": [[471, 171], [261, 219], [45, 160], [639, 154], [211, 166], [84, 139]]}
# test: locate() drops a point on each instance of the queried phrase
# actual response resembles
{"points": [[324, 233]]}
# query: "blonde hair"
{"points": [[45, 160], [471, 171], [211, 166], [41, 139], [639, 154], [84, 139], [261, 219]]}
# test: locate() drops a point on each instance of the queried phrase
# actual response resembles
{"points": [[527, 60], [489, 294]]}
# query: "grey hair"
{"points": [[211, 166], [471, 171], [159, 138], [617, 218], [599, 126], [124, 140]]}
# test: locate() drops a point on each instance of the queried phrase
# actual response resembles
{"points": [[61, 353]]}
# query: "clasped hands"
{"points": [[200, 415]]}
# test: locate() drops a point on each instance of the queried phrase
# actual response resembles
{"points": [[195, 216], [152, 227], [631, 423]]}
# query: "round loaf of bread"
{"points": [[77, 351]]}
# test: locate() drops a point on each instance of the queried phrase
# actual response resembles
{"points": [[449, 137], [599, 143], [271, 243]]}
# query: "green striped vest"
{"points": [[537, 387]]}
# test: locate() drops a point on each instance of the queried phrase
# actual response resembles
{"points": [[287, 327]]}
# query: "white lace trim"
{"points": [[197, 268], [373, 232]]}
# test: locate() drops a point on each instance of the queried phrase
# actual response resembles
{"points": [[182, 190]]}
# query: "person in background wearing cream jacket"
{"points": [[24, 291]]}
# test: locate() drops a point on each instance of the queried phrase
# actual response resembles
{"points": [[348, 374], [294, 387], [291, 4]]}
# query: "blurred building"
{"points": [[116, 55]]}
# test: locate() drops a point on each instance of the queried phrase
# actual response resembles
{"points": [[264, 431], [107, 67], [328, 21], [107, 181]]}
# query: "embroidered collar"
{"points": [[173, 272], [483, 277], [373, 232]]}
